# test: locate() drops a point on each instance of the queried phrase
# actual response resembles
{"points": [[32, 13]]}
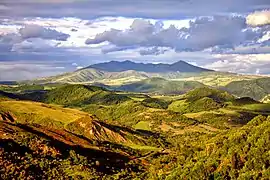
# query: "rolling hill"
{"points": [[160, 86], [256, 89], [206, 133]]}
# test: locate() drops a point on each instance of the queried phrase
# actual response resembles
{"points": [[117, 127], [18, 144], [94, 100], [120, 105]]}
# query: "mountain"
{"points": [[115, 73], [116, 66]]}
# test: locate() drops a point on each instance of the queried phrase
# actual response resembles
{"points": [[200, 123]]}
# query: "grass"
{"points": [[143, 125], [178, 106], [42, 111], [120, 81]]}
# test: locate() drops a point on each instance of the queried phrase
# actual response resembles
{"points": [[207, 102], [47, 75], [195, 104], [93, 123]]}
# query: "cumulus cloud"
{"points": [[202, 33], [36, 31], [259, 18]]}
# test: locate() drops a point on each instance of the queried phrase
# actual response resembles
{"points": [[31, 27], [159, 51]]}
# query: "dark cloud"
{"points": [[219, 31], [142, 8], [36, 31]]}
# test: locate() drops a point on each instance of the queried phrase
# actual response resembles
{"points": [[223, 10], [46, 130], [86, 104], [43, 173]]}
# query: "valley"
{"points": [[153, 128]]}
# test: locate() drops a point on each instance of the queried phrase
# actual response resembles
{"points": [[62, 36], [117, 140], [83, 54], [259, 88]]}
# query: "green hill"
{"points": [[256, 89], [201, 99], [160, 86], [215, 94], [76, 95], [236, 154]]}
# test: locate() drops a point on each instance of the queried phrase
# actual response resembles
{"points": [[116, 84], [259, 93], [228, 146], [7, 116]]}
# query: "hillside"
{"points": [[201, 99], [42, 141], [160, 86], [256, 89], [236, 154], [75, 95], [47, 141]]}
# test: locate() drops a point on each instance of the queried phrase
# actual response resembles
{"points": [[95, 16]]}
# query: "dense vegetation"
{"points": [[161, 86], [204, 134]]}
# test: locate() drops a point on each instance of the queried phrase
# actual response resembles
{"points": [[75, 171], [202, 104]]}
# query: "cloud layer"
{"points": [[219, 32], [170, 9]]}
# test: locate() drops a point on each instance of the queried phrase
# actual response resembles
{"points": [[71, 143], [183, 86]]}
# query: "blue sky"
{"points": [[48, 37]]}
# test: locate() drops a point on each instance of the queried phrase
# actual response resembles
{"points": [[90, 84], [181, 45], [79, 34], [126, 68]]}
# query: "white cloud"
{"points": [[239, 63], [259, 18], [201, 33]]}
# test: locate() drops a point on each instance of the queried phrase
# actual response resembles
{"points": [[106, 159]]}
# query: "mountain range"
{"points": [[115, 72], [116, 66], [176, 78]]}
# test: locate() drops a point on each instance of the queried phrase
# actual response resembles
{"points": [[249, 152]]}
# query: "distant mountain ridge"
{"points": [[116, 72], [117, 66]]}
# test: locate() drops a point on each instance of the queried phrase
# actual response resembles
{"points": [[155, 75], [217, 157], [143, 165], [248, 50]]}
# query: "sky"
{"points": [[47, 37]]}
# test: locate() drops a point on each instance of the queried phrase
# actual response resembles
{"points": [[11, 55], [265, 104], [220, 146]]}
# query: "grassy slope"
{"points": [[32, 112]]}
